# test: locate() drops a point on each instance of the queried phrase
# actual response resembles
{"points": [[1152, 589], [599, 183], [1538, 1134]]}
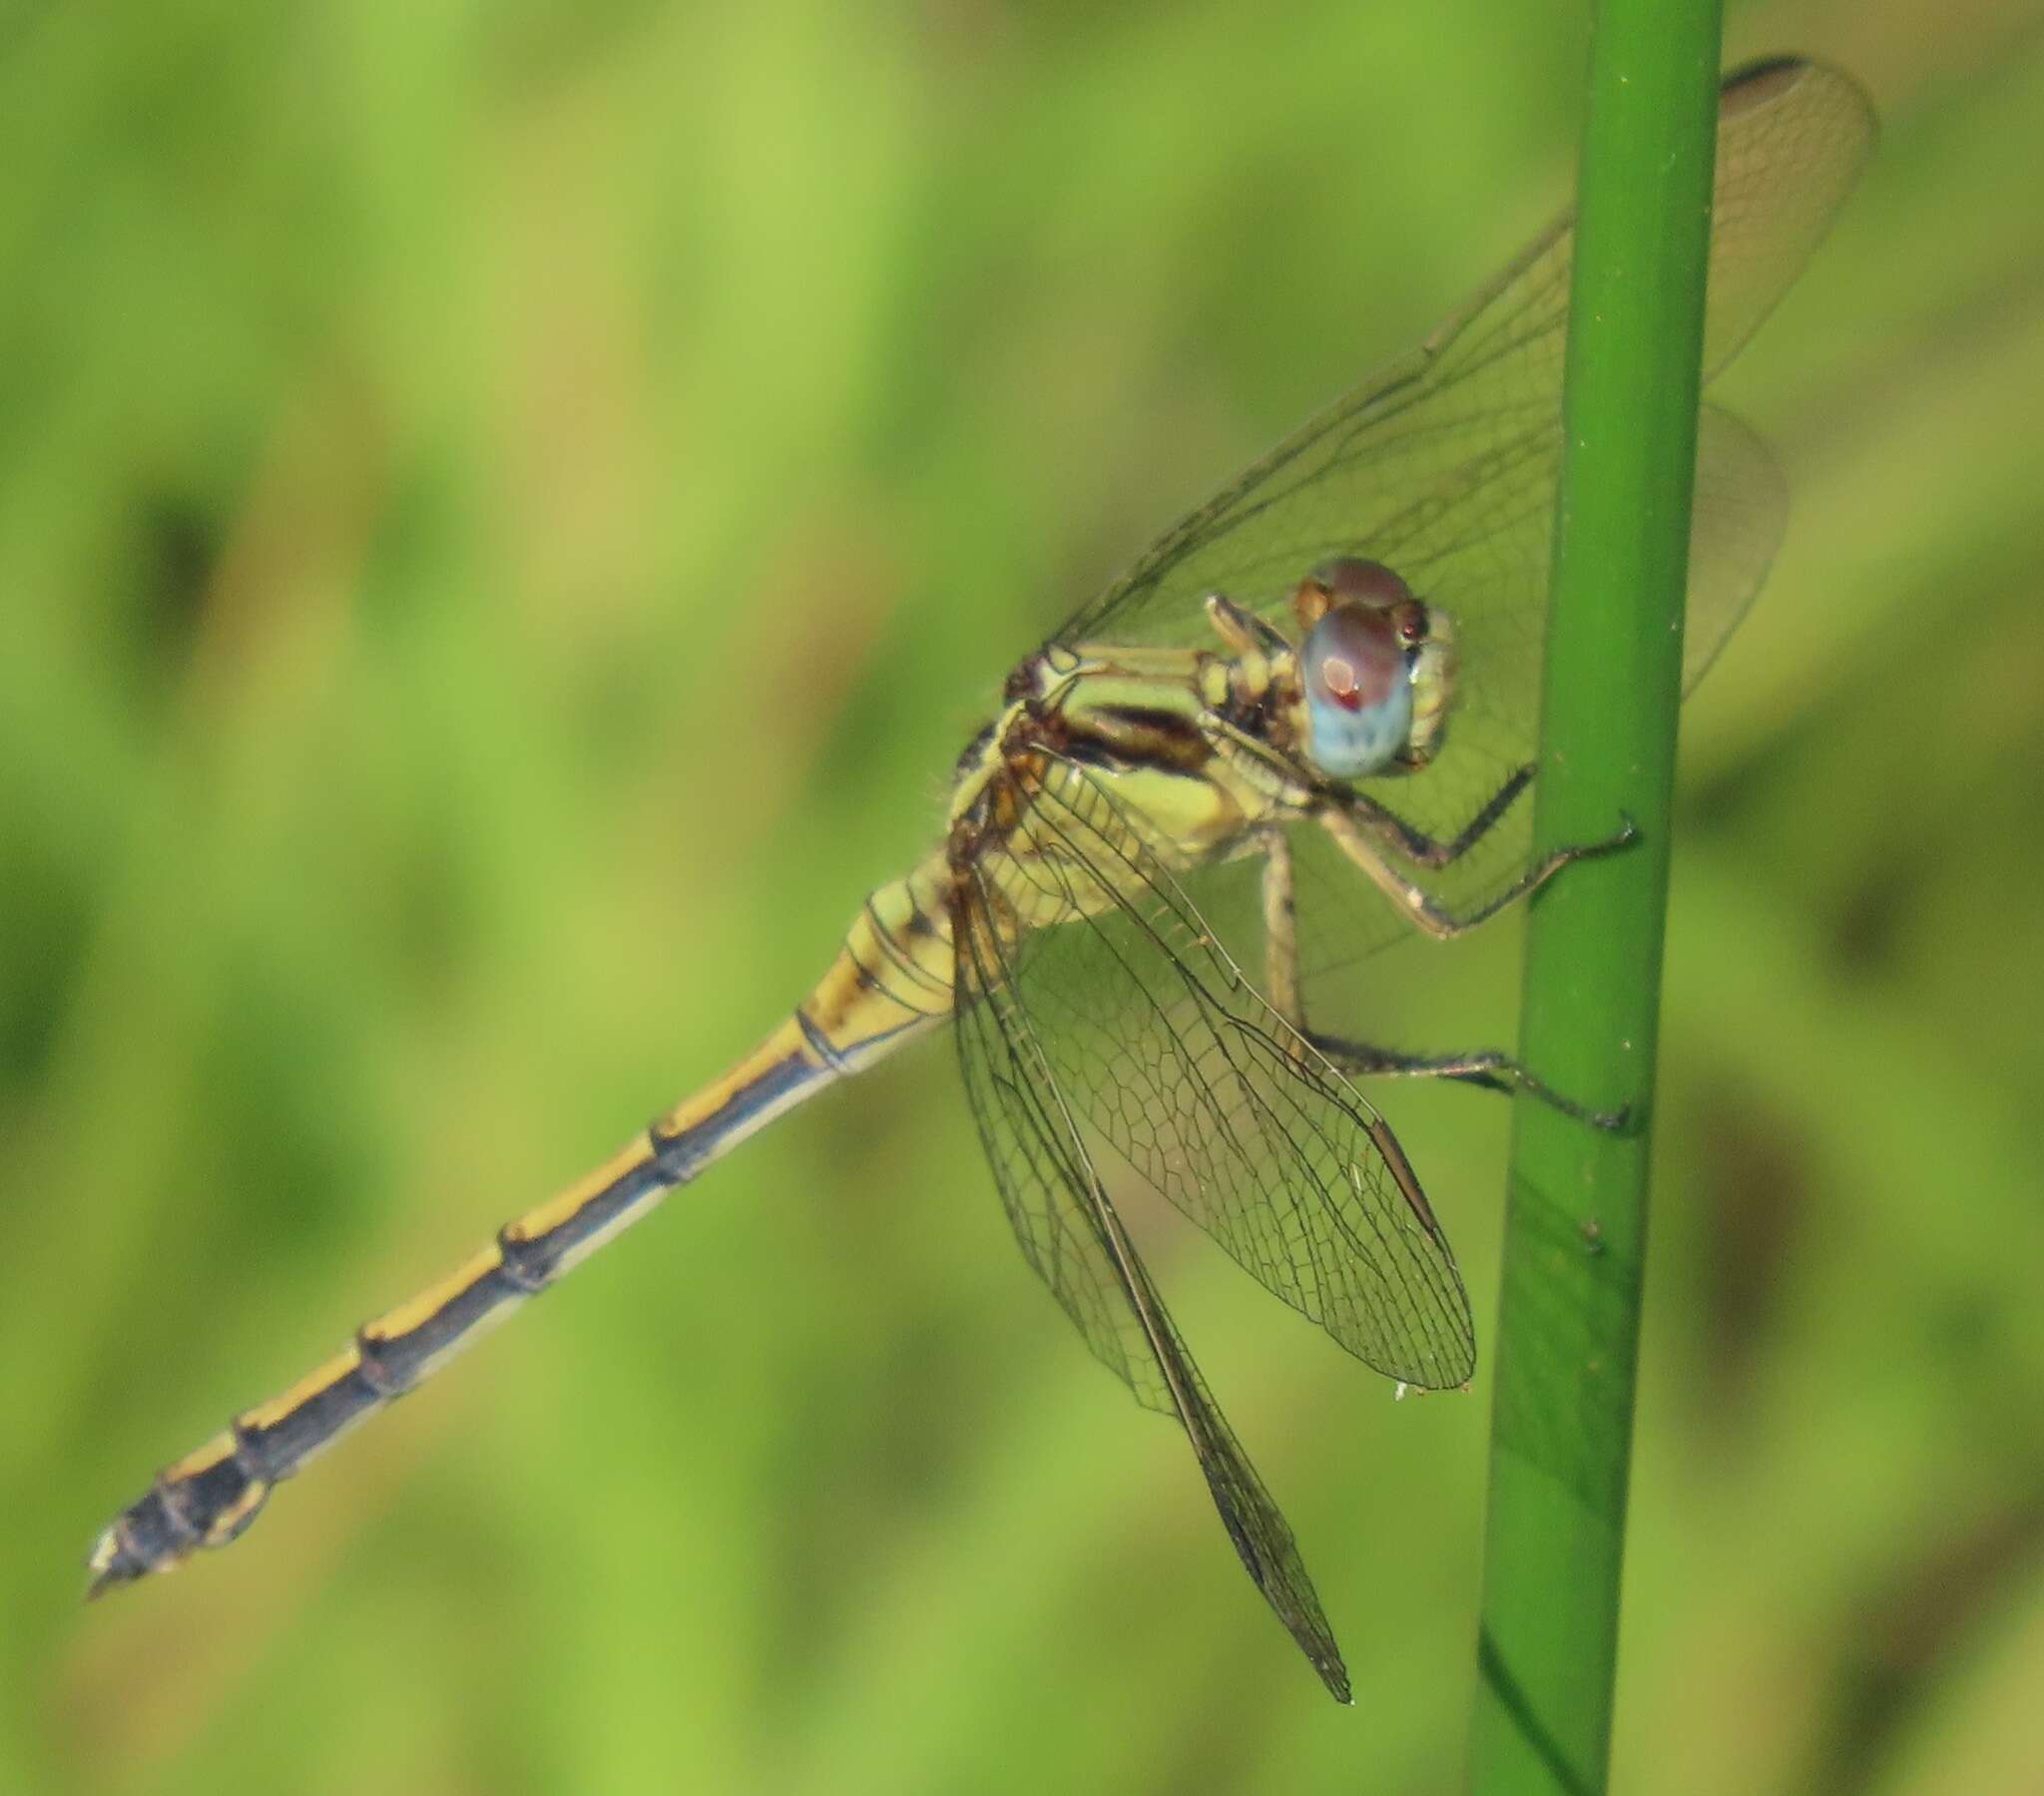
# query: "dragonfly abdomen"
{"points": [[892, 979], [896, 974], [208, 1497]]}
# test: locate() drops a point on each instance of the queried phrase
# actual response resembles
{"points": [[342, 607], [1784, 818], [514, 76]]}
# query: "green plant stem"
{"points": [[1567, 1339]]}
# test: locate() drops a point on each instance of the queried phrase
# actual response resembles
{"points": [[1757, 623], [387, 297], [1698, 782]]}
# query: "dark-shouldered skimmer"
{"points": [[1334, 662]]}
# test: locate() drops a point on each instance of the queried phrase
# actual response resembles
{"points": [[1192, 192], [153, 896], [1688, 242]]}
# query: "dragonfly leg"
{"points": [[1281, 932], [1422, 849], [1488, 1069], [1242, 631], [1420, 907]]}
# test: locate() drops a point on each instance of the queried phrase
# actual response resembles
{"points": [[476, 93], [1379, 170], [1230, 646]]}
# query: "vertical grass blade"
{"points": [[1561, 1424]]}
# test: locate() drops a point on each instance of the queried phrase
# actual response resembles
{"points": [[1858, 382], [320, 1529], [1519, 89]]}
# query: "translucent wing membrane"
{"points": [[1120, 1045], [1180, 1077], [1741, 514], [1445, 466], [1072, 1237]]}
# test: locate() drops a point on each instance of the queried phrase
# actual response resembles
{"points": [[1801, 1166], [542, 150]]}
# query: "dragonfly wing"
{"points": [[1741, 512], [1178, 1077], [1444, 467], [1071, 1234], [1740, 518]]}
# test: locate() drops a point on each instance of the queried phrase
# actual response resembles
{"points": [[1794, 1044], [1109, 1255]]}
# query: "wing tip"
{"points": [[1772, 79], [1334, 1674], [1766, 78]]}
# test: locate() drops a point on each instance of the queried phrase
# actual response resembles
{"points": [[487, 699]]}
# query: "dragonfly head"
{"points": [[1375, 670]]}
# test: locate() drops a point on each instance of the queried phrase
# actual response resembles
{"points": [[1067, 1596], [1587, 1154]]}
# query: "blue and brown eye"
{"points": [[1356, 671], [1354, 579]]}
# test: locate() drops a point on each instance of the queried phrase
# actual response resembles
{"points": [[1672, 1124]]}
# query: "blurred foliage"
{"points": [[506, 516]]}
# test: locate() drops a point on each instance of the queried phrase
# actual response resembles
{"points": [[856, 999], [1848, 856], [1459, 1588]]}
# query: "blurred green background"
{"points": [[507, 515]]}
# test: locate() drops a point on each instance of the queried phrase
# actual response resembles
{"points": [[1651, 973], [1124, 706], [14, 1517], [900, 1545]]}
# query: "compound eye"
{"points": [[1352, 577], [1356, 678]]}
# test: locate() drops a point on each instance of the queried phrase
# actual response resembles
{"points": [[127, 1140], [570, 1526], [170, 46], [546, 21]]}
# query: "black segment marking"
{"points": [[306, 1427], [380, 1356], [151, 1533], [172, 1516], [252, 1455], [917, 924], [528, 1262], [203, 1498], [820, 1044]]}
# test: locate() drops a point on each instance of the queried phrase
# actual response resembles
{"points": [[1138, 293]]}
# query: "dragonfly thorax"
{"points": [[1203, 747], [1265, 724]]}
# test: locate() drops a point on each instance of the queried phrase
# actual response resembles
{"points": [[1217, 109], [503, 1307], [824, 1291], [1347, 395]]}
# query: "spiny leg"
{"points": [[1435, 853], [1489, 1069], [1418, 906]]}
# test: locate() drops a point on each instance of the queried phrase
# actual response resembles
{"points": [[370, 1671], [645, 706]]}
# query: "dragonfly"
{"points": [[1302, 725]]}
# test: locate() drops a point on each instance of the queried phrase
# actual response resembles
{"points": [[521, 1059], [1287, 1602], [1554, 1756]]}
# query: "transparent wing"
{"points": [[1444, 467], [1742, 511], [1070, 1233], [1125, 1047], [1176, 1076]]}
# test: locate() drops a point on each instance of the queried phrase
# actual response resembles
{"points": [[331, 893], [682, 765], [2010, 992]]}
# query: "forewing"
{"points": [[1071, 1235], [1181, 1077], [1445, 466], [1341, 916]]}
